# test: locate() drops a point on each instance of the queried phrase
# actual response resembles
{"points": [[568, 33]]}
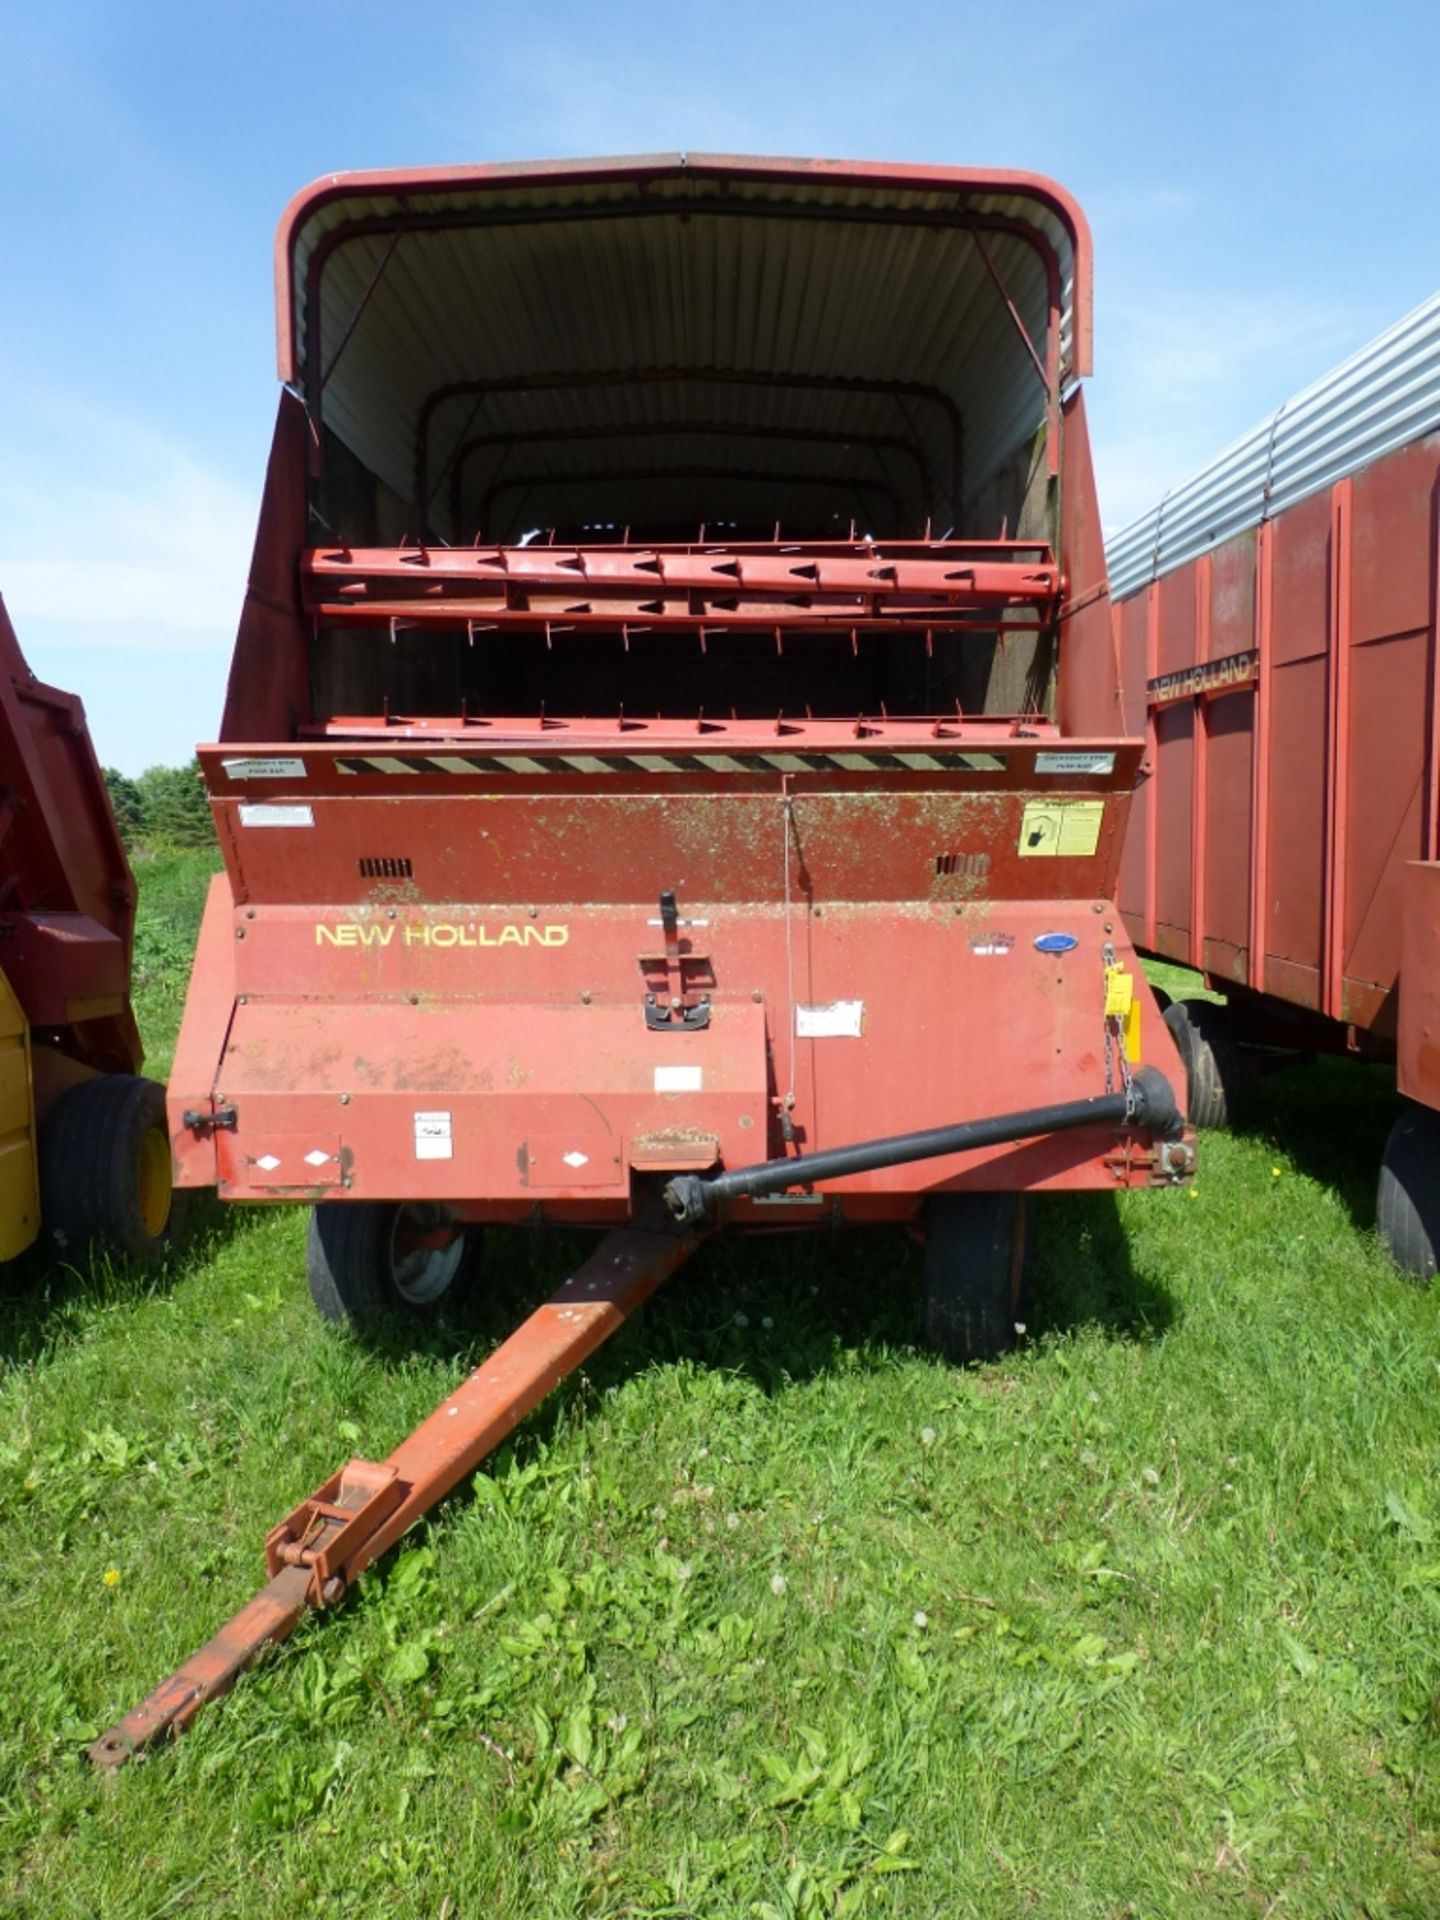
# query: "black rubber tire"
{"points": [[103, 1182], [350, 1261], [1214, 1074], [1162, 1000], [976, 1253], [1407, 1202]]}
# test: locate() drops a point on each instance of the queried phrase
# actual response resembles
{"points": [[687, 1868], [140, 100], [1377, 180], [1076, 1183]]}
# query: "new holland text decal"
{"points": [[1210, 676], [444, 933]]}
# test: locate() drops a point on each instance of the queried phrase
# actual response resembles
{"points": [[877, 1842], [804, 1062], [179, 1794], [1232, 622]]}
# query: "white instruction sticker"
{"points": [[432, 1137], [679, 1079], [842, 1018], [1075, 763], [265, 816], [276, 766]]}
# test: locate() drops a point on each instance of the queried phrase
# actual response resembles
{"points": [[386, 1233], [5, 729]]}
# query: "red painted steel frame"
{"points": [[67, 896], [1308, 649], [798, 587], [327, 1020], [318, 1552]]}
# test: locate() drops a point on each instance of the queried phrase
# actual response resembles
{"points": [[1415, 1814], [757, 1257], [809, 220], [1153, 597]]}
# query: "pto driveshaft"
{"points": [[321, 1549], [1147, 1101]]}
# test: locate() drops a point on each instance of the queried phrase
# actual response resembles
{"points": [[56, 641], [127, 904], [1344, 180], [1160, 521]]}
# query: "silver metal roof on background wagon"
{"points": [[1381, 398]]}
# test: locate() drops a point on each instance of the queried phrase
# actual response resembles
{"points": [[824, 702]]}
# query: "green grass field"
{"points": [[771, 1614]]}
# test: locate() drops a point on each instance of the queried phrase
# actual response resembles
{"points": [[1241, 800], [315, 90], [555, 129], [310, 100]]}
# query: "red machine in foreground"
{"points": [[84, 1152], [1278, 616], [671, 770]]}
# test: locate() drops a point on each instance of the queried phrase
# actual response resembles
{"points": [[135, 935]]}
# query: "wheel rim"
{"points": [[424, 1256], [154, 1182]]}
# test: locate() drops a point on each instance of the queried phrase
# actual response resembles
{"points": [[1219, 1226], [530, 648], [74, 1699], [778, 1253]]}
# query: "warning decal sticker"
{"points": [[1056, 829], [433, 1140]]}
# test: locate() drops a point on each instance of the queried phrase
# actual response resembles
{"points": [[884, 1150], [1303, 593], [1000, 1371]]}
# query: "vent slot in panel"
{"points": [[971, 866], [387, 867]]}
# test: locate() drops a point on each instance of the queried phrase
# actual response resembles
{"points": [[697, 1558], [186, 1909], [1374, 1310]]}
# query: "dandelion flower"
{"points": [[778, 1583], [1275, 1173], [111, 1576], [927, 1436], [742, 1320], [767, 1323], [1150, 1477], [922, 1619], [732, 1521]]}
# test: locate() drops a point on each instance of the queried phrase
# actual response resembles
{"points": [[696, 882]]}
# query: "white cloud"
{"points": [[112, 534], [1178, 382]]}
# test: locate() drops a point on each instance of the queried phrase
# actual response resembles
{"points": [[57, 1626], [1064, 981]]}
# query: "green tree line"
{"points": [[164, 810]]}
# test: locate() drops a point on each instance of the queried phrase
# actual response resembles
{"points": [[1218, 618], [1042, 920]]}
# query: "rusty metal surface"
{"points": [[323, 1546], [351, 1028], [274, 1613]]}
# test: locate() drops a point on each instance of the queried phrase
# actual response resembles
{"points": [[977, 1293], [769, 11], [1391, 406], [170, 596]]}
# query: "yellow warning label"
{"points": [[1119, 993], [1132, 1032], [1069, 828]]}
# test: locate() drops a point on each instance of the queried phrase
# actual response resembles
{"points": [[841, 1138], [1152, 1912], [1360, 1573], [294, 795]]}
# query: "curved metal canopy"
{"points": [[697, 338]]}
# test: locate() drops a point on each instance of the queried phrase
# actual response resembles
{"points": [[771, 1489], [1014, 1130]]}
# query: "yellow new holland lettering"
{"points": [[350, 933], [440, 933]]}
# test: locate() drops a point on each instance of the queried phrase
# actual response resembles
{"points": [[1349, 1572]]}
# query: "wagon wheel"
{"points": [[105, 1169], [1214, 1074], [367, 1258], [1407, 1206], [976, 1252]]}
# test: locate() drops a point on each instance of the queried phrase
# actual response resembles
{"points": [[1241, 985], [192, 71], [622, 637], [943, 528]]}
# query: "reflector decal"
{"points": [[1055, 829], [1056, 942], [846, 762]]}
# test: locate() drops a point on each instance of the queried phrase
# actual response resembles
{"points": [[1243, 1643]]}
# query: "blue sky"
{"points": [[1261, 180]]}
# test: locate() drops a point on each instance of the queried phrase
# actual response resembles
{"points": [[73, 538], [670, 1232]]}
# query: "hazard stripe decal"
{"points": [[591, 763]]}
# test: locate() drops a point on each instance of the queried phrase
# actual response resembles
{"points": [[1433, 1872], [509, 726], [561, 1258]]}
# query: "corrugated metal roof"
{"points": [[1379, 399], [740, 332]]}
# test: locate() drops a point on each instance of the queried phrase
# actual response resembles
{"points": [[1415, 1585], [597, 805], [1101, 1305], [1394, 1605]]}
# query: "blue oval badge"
{"points": [[1056, 942]]}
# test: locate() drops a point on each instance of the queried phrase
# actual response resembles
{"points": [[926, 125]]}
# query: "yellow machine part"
{"points": [[19, 1170]]}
